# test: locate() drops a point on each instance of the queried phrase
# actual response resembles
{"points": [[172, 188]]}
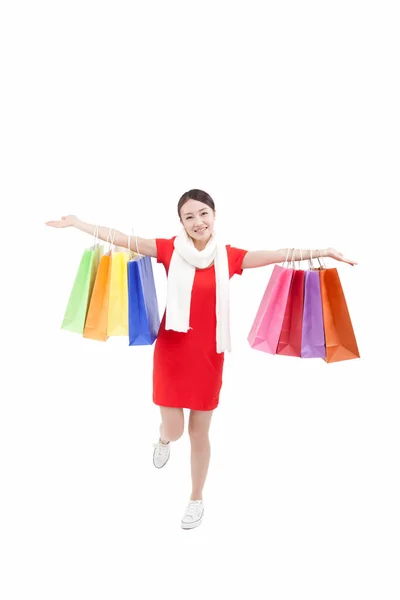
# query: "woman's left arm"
{"points": [[262, 258]]}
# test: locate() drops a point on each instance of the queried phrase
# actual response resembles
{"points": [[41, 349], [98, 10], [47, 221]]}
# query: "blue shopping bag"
{"points": [[143, 314]]}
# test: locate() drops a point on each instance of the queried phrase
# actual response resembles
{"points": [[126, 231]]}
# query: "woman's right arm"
{"points": [[146, 247]]}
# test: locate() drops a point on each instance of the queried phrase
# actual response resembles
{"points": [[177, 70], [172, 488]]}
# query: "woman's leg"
{"points": [[172, 425], [199, 425]]}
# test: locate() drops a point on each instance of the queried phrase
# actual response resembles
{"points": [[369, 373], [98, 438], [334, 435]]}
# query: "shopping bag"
{"points": [[97, 316], [339, 334], [313, 338], [79, 299], [289, 342], [267, 326], [117, 323], [143, 313]]}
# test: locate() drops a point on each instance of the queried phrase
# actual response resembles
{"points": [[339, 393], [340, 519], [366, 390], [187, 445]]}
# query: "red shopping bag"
{"points": [[289, 342]]}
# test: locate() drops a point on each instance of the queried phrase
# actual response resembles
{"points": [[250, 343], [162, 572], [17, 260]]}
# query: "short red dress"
{"points": [[187, 370]]}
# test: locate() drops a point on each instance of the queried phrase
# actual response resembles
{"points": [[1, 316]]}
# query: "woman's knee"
{"points": [[198, 435], [172, 423], [199, 425]]}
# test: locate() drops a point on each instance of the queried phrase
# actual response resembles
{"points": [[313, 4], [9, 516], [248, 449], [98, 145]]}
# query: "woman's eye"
{"points": [[204, 213]]}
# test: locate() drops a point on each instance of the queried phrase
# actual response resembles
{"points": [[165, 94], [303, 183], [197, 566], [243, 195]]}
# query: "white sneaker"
{"points": [[161, 454], [193, 515]]}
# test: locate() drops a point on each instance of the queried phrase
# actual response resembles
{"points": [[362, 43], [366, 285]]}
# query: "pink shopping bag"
{"points": [[267, 326]]}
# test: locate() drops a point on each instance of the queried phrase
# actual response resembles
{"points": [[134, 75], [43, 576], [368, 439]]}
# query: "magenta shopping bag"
{"points": [[267, 326], [313, 336], [289, 343]]}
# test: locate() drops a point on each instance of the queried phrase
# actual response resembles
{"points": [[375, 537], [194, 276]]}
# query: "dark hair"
{"points": [[198, 195]]}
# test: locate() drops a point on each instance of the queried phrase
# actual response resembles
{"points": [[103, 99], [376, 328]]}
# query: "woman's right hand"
{"points": [[68, 221]]}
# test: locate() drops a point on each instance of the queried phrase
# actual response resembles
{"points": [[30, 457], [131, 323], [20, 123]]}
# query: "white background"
{"points": [[287, 113]]}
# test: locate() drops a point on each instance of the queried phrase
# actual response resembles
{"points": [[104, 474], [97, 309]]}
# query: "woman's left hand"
{"points": [[332, 253]]}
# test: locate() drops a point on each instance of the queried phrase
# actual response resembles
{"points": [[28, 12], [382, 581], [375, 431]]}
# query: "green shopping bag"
{"points": [[78, 303]]}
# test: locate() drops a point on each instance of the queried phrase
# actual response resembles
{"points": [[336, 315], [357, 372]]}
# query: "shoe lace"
{"points": [[193, 508], [160, 448]]}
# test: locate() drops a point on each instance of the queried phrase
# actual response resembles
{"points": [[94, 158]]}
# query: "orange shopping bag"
{"points": [[339, 335], [97, 316]]}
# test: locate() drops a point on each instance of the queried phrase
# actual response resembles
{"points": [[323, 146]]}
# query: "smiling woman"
{"points": [[197, 213], [195, 328]]}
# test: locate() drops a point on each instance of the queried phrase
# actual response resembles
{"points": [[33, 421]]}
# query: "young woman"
{"points": [[194, 331]]}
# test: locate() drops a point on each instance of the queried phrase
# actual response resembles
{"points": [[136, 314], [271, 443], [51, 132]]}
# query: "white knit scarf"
{"points": [[184, 261]]}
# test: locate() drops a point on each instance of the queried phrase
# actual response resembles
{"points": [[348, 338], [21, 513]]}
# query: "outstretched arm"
{"points": [[146, 247], [261, 258]]}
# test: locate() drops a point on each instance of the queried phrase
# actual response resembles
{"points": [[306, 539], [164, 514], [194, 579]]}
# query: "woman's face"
{"points": [[198, 220]]}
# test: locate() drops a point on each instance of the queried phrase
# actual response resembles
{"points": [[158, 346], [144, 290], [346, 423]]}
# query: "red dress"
{"points": [[187, 369]]}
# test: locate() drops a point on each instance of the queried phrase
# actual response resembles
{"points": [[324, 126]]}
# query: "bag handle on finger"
{"points": [[96, 239], [134, 255], [137, 245], [287, 259], [323, 266], [318, 258], [310, 261], [110, 239]]}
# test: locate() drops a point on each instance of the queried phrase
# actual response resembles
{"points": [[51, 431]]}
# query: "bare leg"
{"points": [[172, 425], [199, 425]]}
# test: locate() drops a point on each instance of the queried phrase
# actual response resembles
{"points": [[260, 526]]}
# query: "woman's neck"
{"points": [[200, 244]]}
